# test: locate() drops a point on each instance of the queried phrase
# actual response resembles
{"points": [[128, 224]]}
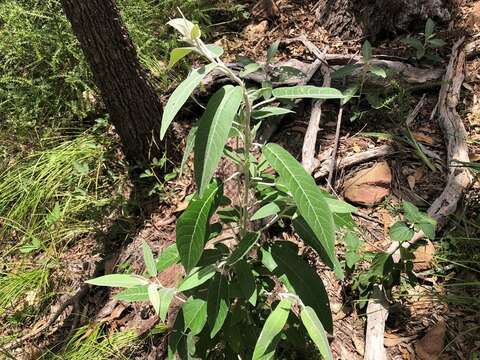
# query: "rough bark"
{"points": [[134, 107], [353, 19]]}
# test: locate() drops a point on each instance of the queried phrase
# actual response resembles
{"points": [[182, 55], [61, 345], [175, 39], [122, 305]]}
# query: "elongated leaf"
{"points": [[192, 226], [181, 94], [212, 134], [346, 70], [366, 51], [268, 111], [378, 71], [316, 331], [272, 51], [154, 297], [243, 247], [195, 315], [197, 278], [339, 206], [429, 28], [168, 257], [246, 281], [118, 280], [250, 68], [149, 260], [183, 26], [304, 280], [177, 54], [136, 293], [307, 91], [166, 296], [267, 341], [306, 194], [217, 303], [308, 236], [188, 148], [266, 210]]}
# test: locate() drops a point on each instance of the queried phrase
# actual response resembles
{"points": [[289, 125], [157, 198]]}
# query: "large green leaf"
{"points": [[400, 232], [197, 277], [154, 297], [308, 236], [306, 194], [307, 91], [268, 111], [212, 133], [316, 331], [243, 247], [118, 280], [304, 280], [217, 303], [179, 53], [149, 260], [166, 296], [266, 210], [136, 293], [268, 339], [168, 257], [181, 94], [195, 315], [192, 226]]}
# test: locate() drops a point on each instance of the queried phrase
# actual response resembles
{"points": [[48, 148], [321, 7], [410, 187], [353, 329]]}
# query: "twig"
{"points": [[333, 163], [310, 140], [384, 150], [411, 117]]}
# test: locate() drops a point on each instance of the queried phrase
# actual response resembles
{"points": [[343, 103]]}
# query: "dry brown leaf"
{"points": [[411, 181], [431, 345], [423, 257], [424, 138]]}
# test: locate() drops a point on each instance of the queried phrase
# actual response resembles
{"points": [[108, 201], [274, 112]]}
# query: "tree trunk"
{"points": [[134, 107], [353, 19]]}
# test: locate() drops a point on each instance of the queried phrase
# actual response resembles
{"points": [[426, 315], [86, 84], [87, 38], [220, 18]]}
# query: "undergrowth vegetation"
{"points": [[53, 195]]}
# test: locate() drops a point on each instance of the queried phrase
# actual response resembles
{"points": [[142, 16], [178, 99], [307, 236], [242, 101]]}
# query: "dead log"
{"points": [[356, 19], [405, 73]]}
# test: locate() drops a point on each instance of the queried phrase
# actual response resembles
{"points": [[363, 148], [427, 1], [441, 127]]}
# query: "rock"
{"points": [[431, 344], [370, 186]]}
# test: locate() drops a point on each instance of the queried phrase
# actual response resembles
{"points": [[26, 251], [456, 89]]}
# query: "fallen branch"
{"points": [[457, 181], [406, 73], [377, 313], [384, 150]]}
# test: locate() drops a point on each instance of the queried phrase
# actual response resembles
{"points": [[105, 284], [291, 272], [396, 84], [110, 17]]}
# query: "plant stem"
{"points": [[247, 141]]}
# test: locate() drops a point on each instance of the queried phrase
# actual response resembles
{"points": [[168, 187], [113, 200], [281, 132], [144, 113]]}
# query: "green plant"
{"points": [[259, 283], [426, 45], [91, 342], [384, 270], [364, 68], [53, 195]]}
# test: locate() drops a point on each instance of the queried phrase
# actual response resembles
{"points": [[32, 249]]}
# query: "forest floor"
{"points": [[439, 313]]}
